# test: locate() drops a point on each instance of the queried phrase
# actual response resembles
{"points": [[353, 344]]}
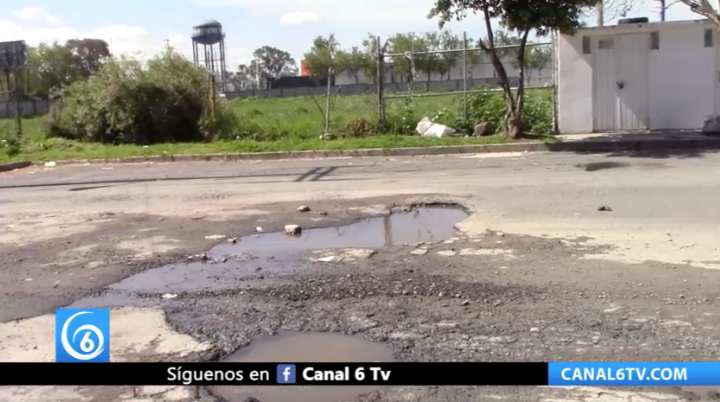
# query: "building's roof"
{"points": [[209, 23], [655, 25]]}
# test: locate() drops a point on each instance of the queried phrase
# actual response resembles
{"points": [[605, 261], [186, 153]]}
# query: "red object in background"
{"points": [[304, 72]]}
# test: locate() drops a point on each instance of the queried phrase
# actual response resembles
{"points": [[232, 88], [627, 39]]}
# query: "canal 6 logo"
{"points": [[82, 335]]}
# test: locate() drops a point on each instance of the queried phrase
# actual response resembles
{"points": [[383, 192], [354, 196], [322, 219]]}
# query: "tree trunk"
{"points": [[514, 122], [511, 120]]}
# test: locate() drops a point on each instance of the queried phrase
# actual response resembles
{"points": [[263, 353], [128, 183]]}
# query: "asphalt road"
{"points": [[536, 272]]}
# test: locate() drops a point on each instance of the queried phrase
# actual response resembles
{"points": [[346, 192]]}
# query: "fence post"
{"points": [[380, 84], [464, 58], [555, 45]]}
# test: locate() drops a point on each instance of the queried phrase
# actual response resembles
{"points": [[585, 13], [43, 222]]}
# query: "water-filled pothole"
{"points": [[305, 347], [256, 257]]}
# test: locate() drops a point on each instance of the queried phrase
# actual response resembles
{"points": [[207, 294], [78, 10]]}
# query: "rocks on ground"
{"points": [[484, 129], [293, 230]]}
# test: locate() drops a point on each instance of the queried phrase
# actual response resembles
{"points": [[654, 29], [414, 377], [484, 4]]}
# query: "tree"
{"points": [[87, 54], [321, 57], [539, 58], [50, 68], [447, 61], [272, 62], [54, 66], [353, 62], [473, 58], [408, 64], [535, 58], [370, 48], [520, 17], [430, 63], [241, 77], [704, 8]]}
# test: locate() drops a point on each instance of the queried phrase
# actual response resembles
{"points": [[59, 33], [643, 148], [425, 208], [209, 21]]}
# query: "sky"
{"points": [[145, 27]]}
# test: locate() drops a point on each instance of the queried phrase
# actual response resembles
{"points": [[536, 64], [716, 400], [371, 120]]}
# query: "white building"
{"points": [[650, 76]]}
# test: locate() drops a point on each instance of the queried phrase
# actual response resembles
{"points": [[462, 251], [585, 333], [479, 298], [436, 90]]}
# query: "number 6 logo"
{"points": [[86, 344]]}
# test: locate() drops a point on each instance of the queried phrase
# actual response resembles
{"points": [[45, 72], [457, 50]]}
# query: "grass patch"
{"points": [[279, 124], [58, 149]]}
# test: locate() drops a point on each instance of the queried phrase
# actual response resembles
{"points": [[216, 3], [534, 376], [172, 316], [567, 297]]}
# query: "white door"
{"points": [[604, 85], [632, 81], [620, 93]]}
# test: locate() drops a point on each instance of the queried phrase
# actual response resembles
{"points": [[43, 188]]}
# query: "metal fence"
{"points": [[470, 73], [27, 108], [470, 58]]}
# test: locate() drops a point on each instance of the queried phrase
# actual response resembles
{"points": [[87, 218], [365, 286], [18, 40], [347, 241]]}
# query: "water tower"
{"points": [[209, 50]]}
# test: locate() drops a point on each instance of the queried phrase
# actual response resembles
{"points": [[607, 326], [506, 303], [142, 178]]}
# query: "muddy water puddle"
{"points": [[305, 347], [256, 257]]}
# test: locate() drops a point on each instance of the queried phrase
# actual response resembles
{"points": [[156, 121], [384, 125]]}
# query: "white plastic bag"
{"points": [[427, 128], [423, 126]]}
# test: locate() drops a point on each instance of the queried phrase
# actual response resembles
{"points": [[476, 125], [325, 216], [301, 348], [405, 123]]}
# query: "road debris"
{"points": [[419, 251], [329, 258], [259, 229], [168, 296], [232, 240], [50, 164], [303, 208], [427, 128], [215, 237], [293, 230], [604, 208]]}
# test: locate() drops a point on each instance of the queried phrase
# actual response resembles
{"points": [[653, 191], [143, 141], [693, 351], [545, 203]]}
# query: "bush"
{"points": [[168, 100], [12, 146], [490, 107]]}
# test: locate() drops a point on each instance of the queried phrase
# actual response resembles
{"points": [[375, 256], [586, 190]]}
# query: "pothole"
{"points": [[256, 257], [305, 347]]}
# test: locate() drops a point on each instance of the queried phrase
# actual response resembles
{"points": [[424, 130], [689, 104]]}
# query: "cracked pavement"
{"points": [[535, 272]]}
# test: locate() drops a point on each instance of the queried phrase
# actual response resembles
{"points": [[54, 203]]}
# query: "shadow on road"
{"points": [[657, 145]]}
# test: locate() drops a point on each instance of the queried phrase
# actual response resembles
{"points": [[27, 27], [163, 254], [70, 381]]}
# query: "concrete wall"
{"points": [[575, 86], [28, 108], [683, 78], [682, 74]]}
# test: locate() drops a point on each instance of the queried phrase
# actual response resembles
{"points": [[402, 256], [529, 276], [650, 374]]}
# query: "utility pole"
{"points": [[600, 13], [167, 43]]}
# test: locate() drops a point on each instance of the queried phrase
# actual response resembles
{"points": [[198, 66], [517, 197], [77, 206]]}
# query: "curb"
{"points": [[15, 165], [571, 146]]}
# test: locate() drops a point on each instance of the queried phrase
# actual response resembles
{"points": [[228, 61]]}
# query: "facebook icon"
{"points": [[286, 374]]}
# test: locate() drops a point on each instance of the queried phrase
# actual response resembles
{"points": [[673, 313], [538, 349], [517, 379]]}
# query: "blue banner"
{"points": [[634, 374]]}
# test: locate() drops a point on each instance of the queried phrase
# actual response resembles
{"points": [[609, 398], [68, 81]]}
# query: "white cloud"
{"points": [[123, 39], [36, 15], [400, 14], [299, 18]]}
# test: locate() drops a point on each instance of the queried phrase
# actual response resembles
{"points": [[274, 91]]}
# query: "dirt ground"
{"points": [[510, 285]]}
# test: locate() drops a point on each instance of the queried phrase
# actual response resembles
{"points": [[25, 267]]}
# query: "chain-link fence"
{"points": [[434, 83], [395, 90]]}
